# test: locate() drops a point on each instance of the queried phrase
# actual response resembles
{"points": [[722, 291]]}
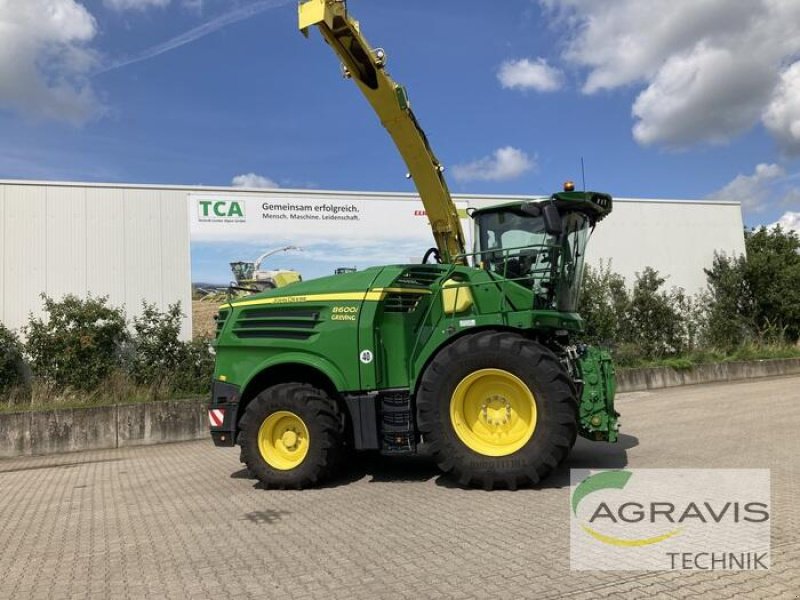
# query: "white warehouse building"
{"points": [[132, 243]]}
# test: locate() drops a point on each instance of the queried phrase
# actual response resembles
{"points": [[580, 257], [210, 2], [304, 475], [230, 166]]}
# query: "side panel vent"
{"points": [[276, 323], [401, 303], [418, 277]]}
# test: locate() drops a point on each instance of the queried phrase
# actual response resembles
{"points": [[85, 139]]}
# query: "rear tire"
{"points": [[498, 410], [291, 436]]}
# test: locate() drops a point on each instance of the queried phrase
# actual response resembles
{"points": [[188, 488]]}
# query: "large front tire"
{"points": [[291, 436], [498, 410]]}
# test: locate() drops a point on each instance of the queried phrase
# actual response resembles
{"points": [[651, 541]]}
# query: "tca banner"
{"points": [[313, 234]]}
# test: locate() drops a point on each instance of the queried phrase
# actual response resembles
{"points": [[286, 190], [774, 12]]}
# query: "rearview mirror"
{"points": [[552, 220]]}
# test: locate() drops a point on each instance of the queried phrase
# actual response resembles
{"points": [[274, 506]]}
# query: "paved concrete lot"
{"points": [[184, 521]]}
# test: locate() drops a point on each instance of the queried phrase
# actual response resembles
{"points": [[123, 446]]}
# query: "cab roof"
{"points": [[596, 204]]}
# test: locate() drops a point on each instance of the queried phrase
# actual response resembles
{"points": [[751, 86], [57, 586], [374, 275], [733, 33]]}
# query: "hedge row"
{"points": [[752, 302], [82, 345]]}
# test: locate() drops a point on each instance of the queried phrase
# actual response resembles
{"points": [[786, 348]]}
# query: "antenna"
{"points": [[583, 174]]}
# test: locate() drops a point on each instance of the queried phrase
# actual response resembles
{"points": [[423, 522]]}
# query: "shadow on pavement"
{"points": [[397, 469], [385, 469], [584, 455], [264, 517], [374, 467], [591, 455]]}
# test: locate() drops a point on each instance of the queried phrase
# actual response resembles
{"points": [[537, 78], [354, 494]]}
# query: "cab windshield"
{"points": [[516, 246]]}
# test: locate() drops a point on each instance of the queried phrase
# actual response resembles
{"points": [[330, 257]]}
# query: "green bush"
{"points": [[653, 321], [604, 302], [11, 363], [159, 359], [156, 348], [755, 299], [79, 343], [642, 324], [194, 373], [772, 275], [729, 302], [82, 353], [691, 313]]}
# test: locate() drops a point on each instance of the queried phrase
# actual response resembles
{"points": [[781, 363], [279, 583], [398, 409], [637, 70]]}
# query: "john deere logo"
{"points": [[220, 211]]}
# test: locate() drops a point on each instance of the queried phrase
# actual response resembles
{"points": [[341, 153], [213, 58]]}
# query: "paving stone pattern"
{"points": [[185, 521]]}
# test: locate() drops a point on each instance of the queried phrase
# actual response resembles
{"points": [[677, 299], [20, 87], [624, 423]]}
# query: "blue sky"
{"points": [[662, 100]]}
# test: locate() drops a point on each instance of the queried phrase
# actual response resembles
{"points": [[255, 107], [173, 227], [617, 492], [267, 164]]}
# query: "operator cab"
{"points": [[541, 244]]}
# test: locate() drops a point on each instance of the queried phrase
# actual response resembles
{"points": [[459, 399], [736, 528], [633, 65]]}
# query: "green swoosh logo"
{"points": [[600, 481], [611, 480]]}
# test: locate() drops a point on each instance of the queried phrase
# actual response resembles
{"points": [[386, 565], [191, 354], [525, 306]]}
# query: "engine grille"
{"points": [[401, 302], [276, 323], [418, 276]]}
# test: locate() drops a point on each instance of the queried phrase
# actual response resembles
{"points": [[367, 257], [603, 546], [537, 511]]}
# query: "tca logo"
{"points": [[221, 209]]}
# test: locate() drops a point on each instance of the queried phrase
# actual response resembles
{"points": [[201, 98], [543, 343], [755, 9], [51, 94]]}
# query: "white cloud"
{"points": [[134, 4], [120, 5], [525, 74], [45, 59], [235, 15], [678, 108], [251, 180], [782, 116], [709, 69], [506, 163], [792, 197], [789, 220], [751, 190]]}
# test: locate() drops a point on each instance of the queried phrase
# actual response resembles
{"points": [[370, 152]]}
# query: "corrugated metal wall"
{"points": [[678, 239], [131, 243]]}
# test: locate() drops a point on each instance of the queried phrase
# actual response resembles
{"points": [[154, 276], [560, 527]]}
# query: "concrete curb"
{"points": [[97, 428], [635, 380]]}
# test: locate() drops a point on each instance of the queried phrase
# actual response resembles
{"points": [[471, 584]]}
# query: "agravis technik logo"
{"points": [[670, 519]]}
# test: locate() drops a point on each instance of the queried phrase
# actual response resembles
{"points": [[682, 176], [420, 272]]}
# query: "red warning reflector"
{"points": [[216, 416]]}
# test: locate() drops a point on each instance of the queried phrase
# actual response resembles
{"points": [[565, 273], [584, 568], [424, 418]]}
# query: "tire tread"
{"points": [[556, 401], [320, 412]]}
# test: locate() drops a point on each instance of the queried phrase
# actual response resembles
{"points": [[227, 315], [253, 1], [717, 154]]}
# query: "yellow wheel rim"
{"points": [[283, 440], [493, 412]]}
